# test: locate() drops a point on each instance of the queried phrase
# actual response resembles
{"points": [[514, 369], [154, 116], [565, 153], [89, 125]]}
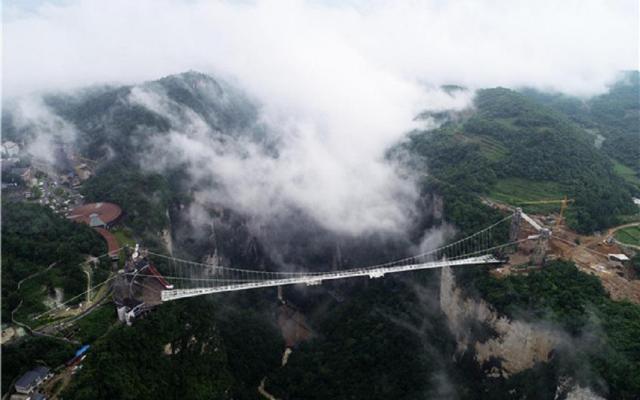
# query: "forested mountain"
{"points": [[615, 115], [117, 127], [532, 136], [49, 250], [190, 349], [511, 136], [373, 339]]}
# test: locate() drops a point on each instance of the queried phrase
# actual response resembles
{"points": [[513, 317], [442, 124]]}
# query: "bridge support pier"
{"points": [[540, 251]]}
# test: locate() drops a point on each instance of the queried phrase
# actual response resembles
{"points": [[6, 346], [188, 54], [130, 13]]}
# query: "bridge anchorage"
{"points": [[152, 278]]}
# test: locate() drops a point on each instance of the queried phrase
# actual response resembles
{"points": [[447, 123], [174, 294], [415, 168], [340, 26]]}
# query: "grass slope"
{"points": [[629, 235], [516, 191]]}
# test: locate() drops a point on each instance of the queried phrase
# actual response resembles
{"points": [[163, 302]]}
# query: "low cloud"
{"points": [[337, 84], [344, 187], [43, 131], [296, 50]]}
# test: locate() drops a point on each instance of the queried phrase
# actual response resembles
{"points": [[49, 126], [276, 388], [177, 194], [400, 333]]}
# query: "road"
{"points": [[87, 270], [27, 327], [37, 273]]}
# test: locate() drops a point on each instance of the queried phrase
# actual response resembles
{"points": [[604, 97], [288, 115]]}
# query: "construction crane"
{"points": [[564, 203]]}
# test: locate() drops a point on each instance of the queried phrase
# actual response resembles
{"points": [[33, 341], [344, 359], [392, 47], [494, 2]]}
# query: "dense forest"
{"points": [[24, 355], [603, 333], [399, 345], [33, 238], [193, 349], [615, 115], [511, 136], [387, 341], [145, 198]]}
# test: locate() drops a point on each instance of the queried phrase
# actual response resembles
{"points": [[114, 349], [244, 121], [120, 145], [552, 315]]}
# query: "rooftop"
{"points": [[32, 378], [621, 257], [93, 213]]}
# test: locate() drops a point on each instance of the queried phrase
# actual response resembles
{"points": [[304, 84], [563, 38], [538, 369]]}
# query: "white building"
{"points": [[10, 149], [617, 257]]}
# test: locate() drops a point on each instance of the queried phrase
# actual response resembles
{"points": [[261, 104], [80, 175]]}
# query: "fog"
{"points": [[339, 83], [312, 50], [46, 130]]}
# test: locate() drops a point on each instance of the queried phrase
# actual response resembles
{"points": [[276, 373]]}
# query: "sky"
{"points": [[574, 46], [342, 81]]}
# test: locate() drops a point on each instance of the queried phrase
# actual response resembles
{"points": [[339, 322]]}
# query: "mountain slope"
{"points": [[614, 115], [510, 136], [374, 339]]}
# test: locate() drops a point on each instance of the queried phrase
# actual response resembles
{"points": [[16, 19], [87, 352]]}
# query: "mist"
{"points": [[337, 84], [44, 131], [296, 50]]}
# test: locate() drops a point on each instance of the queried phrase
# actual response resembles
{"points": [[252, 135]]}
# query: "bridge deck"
{"points": [[175, 294]]}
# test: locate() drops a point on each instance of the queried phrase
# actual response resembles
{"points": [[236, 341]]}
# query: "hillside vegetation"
{"points": [[190, 349], [33, 238], [118, 126], [517, 150], [603, 333], [385, 339], [614, 115]]}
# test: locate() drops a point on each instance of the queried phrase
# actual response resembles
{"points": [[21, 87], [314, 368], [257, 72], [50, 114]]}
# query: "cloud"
{"points": [[45, 131], [339, 83], [291, 48], [344, 187]]}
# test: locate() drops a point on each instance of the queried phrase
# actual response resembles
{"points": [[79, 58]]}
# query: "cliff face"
{"points": [[518, 345]]}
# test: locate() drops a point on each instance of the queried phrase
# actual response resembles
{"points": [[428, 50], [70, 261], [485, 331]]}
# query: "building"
{"points": [[95, 221], [10, 149], [617, 257], [25, 174], [96, 214], [32, 379], [31, 396]]}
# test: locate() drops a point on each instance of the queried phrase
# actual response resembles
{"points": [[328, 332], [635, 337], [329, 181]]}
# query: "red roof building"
{"points": [[96, 214]]}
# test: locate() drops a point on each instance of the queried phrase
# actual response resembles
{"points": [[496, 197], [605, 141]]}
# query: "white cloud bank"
{"points": [[288, 47], [344, 81]]}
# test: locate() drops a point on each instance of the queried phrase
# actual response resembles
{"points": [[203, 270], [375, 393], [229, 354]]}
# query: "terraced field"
{"points": [[515, 191], [490, 148], [626, 173]]}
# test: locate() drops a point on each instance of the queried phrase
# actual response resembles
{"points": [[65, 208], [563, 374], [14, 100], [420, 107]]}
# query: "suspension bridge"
{"points": [[150, 279], [175, 278]]}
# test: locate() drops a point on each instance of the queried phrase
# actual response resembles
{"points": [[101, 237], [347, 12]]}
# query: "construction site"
{"points": [[599, 254]]}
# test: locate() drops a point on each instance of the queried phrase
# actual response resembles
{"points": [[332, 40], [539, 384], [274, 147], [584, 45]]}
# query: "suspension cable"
{"points": [[382, 265]]}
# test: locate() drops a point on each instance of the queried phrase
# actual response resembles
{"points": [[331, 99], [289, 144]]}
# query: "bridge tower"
{"points": [[540, 251], [515, 225]]}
